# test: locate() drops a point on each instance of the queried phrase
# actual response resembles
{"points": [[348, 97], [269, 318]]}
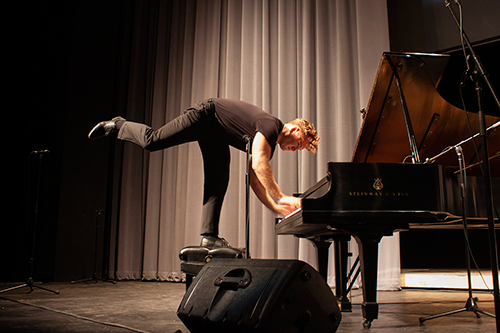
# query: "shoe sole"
{"points": [[97, 132]]}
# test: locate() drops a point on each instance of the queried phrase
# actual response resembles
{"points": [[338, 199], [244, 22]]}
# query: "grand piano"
{"points": [[388, 186]]}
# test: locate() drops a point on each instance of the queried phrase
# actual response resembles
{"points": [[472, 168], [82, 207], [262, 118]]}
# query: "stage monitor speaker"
{"points": [[255, 295]]}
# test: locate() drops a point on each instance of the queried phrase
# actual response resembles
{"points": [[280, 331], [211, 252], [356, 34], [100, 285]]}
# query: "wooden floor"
{"points": [[136, 306]]}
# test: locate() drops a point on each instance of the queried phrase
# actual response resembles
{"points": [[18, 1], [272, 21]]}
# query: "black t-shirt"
{"points": [[241, 118]]}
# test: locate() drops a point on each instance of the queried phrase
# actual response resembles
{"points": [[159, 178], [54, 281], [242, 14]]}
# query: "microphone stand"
{"points": [[470, 304], [248, 140], [94, 275], [482, 76], [432, 159], [30, 282]]}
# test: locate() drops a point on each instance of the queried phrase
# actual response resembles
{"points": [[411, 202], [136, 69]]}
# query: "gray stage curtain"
{"points": [[293, 58]]}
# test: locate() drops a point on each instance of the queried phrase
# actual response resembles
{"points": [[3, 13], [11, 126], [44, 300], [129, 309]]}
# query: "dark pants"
{"points": [[195, 124]]}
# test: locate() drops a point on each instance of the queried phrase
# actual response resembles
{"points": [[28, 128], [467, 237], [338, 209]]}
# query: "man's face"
{"points": [[293, 141]]}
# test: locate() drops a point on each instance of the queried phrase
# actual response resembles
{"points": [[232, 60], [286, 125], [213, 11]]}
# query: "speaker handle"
{"points": [[234, 279]]}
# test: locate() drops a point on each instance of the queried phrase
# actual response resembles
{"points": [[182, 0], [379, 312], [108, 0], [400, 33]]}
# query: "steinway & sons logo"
{"points": [[378, 185]]}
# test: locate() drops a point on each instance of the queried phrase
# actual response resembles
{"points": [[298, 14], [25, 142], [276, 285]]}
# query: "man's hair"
{"points": [[308, 129]]}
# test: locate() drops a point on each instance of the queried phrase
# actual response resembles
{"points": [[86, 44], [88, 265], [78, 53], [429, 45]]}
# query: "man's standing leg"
{"points": [[216, 160]]}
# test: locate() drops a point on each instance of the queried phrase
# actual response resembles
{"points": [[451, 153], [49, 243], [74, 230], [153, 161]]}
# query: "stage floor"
{"points": [[136, 306]]}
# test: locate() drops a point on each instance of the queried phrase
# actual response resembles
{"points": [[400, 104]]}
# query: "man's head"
{"points": [[299, 134]]}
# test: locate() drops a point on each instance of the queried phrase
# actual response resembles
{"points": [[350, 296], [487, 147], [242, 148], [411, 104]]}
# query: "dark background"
{"points": [[428, 26], [66, 66], [63, 73]]}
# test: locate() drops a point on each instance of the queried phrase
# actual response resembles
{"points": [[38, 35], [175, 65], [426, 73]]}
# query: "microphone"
{"points": [[248, 140], [45, 151]]}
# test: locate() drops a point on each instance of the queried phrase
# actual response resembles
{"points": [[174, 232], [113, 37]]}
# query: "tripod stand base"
{"points": [[470, 305], [32, 287], [93, 278]]}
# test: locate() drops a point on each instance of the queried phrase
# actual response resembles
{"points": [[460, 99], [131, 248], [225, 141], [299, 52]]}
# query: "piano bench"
{"points": [[193, 258]]}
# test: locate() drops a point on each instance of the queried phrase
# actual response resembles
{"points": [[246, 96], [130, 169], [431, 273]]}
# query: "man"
{"points": [[217, 124]]}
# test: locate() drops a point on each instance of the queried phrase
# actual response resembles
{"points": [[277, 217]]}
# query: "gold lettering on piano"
{"points": [[365, 194], [378, 184], [400, 194], [377, 194]]}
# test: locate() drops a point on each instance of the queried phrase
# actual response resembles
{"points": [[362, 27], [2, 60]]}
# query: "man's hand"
{"points": [[293, 202], [284, 210], [289, 204]]}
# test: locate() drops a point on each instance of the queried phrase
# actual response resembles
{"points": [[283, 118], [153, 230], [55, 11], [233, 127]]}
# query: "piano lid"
{"points": [[436, 123]]}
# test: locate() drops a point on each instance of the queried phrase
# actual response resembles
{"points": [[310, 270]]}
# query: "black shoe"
{"points": [[212, 242], [104, 128]]}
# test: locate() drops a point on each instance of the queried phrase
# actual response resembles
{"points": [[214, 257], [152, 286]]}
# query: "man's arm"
{"points": [[265, 198], [261, 154], [262, 194]]}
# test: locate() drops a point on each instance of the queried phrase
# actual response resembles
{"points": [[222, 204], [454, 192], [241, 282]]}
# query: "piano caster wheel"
{"points": [[367, 323]]}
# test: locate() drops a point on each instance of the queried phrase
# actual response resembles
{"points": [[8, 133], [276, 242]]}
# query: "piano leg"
{"points": [[368, 254], [341, 280], [322, 248], [322, 244]]}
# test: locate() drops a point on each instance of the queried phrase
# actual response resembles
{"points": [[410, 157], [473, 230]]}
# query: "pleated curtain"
{"points": [[292, 58]]}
